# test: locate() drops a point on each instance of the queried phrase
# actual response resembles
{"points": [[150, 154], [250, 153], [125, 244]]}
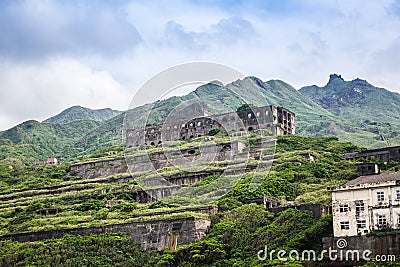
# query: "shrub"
{"points": [[124, 207], [91, 204]]}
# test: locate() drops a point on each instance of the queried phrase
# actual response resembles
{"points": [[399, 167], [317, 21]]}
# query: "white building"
{"points": [[365, 204]]}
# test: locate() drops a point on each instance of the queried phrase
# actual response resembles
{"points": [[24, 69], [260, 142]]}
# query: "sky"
{"points": [[57, 54]]}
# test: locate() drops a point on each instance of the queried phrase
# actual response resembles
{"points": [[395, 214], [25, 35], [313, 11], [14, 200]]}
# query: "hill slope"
{"points": [[34, 141]]}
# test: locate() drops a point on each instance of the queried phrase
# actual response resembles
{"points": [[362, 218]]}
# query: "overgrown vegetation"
{"points": [[37, 198], [94, 250]]}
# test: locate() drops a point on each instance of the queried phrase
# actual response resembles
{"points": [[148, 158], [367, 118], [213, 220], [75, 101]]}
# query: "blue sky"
{"points": [[55, 54]]}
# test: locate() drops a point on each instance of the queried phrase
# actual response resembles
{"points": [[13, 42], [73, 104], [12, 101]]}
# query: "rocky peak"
{"points": [[360, 82], [334, 77]]}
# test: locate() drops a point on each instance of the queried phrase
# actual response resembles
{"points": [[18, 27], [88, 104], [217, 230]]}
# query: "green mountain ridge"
{"points": [[374, 110], [34, 141], [81, 113], [358, 119], [347, 98]]}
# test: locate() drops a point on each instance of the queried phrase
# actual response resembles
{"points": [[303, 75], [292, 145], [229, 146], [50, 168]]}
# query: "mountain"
{"points": [[312, 118], [354, 111], [34, 141], [219, 99], [81, 113], [376, 110], [356, 100]]}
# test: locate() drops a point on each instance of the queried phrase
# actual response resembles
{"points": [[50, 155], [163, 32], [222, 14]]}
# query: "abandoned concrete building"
{"points": [[385, 154], [365, 204], [367, 168], [278, 119]]}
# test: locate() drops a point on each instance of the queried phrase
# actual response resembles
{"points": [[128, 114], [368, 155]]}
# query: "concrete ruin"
{"points": [[137, 163], [151, 235], [368, 168], [279, 120], [385, 154]]}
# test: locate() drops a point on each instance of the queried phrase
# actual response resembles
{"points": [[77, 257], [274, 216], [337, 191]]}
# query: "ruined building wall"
{"points": [[102, 168], [279, 119], [385, 154], [142, 163], [152, 235]]}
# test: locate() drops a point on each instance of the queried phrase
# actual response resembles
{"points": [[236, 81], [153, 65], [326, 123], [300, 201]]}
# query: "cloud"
{"points": [[384, 65], [36, 29], [96, 51], [226, 32], [33, 91], [394, 8]]}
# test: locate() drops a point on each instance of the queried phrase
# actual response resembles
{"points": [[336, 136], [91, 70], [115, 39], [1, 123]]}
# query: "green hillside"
{"points": [[356, 100], [34, 141]]}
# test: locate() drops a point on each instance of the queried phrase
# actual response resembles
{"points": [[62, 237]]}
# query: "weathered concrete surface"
{"points": [[102, 168], [153, 235], [276, 119], [383, 245]]}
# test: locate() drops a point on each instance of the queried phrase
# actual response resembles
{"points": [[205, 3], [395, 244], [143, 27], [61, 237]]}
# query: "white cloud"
{"points": [[41, 29], [31, 91]]}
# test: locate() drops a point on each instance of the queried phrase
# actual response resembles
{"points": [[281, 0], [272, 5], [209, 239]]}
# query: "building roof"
{"points": [[379, 149], [374, 179]]}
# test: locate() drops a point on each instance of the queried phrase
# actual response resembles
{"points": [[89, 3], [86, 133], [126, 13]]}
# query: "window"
{"points": [[344, 225], [382, 220], [381, 196], [359, 206], [344, 208], [361, 224], [398, 194]]}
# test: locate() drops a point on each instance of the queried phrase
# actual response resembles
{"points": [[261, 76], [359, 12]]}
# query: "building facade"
{"points": [[368, 168], [278, 119], [366, 204]]}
